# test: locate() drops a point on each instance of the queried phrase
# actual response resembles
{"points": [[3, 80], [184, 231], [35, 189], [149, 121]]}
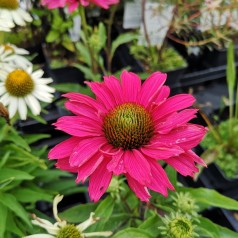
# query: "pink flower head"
{"points": [[127, 130], [73, 4]]}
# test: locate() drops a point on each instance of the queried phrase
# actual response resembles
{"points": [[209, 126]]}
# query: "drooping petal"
{"points": [[160, 182], [63, 164], [99, 181], [140, 190], [85, 149], [116, 164], [160, 151], [184, 164], [89, 167], [131, 86], [137, 166], [64, 149]]}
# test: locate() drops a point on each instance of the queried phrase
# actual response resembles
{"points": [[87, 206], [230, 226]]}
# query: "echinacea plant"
{"points": [[129, 129], [61, 229]]}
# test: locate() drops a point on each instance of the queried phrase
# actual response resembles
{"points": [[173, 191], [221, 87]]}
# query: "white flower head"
{"points": [[20, 88], [61, 229], [13, 56], [11, 10], [5, 24]]}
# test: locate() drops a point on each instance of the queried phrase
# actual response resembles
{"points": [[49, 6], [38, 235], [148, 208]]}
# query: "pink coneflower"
{"points": [[127, 130], [73, 4]]}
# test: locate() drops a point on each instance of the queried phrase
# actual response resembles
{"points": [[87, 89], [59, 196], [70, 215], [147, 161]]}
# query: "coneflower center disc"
{"points": [[9, 4], [19, 83], [128, 126], [69, 231], [181, 227]]}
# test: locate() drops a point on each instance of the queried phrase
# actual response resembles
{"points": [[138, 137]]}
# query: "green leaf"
{"points": [[6, 173], [3, 219], [11, 203], [32, 138], [231, 69], [5, 182], [29, 195], [150, 225], [102, 34], [132, 232], [12, 227], [87, 71], [172, 174], [122, 39], [4, 158], [52, 36], [207, 227], [83, 53], [14, 137], [205, 198], [78, 213], [104, 212]]}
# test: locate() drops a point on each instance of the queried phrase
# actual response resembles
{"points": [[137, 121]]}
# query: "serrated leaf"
{"points": [[83, 53]]}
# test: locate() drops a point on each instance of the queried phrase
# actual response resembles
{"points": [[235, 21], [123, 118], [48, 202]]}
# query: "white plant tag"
{"points": [[74, 32], [132, 15], [157, 19]]}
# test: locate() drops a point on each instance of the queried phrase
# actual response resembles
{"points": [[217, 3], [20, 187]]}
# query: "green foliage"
{"points": [[154, 59], [25, 179], [221, 141]]}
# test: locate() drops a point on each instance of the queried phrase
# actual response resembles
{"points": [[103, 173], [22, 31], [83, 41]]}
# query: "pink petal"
{"points": [[187, 136], [88, 167], [162, 95], [174, 120], [131, 86], [103, 94], [115, 87], [140, 190], [85, 150], [137, 166], [160, 182], [173, 104], [160, 151], [63, 164], [116, 164], [85, 100], [99, 181], [196, 158], [184, 164], [64, 149], [151, 87], [78, 126]]}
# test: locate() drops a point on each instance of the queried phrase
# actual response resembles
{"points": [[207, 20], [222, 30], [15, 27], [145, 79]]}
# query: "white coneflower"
{"points": [[5, 24], [11, 10], [13, 56], [61, 229], [20, 88]]}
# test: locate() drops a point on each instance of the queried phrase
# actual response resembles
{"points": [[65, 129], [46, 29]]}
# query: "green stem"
{"points": [[86, 33], [1, 37], [109, 40]]}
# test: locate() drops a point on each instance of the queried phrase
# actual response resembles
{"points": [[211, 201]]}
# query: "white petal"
{"points": [[18, 18], [45, 88], [44, 97], [51, 229], [38, 74], [39, 236], [84, 225], [33, 103], [22, 109], [12, 108], [99, 233]]}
